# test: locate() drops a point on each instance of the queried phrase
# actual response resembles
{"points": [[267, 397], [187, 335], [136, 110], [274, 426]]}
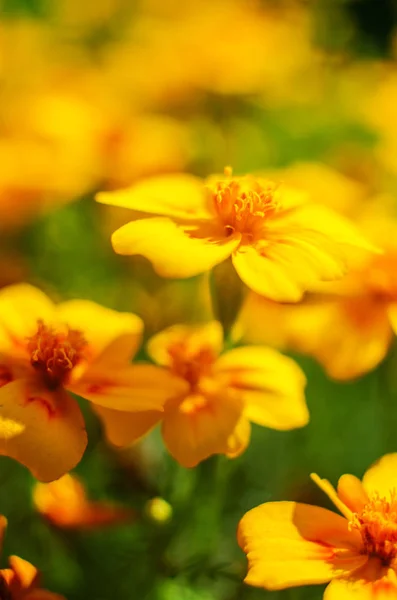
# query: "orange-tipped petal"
{"points": [[43, 431], [192, 338], [351, 492], [125, 428], [289, 544], [172, 250], [132, 388], [381, 477], [201, 426], [271, 386], [179, 196]]}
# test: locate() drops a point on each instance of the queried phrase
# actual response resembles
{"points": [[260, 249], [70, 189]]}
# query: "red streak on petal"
{"points": [[5, 375], [97, 388], [43, 403]]}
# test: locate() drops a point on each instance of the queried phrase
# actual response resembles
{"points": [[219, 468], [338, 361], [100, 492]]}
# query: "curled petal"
{"points": [[173, 251]]}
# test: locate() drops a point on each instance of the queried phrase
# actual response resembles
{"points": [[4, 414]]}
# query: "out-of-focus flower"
{"points": [[223, 394], [65, 504], [21, 581], [290, 544], [159, 510], [280, 244], [78, 346], [347, 326]]}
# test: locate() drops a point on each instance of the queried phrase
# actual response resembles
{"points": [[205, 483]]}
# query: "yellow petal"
{"points": [[371, 582], [329, 489], [192, 338], [124, 428], [238, 441], [289, 544], [180, 196], [21, 306], [132, 388], [102, 327], [351, 492], [392, 314], [43, 431], [381, 477], [200, 426], [270, 384], [172, 250]]}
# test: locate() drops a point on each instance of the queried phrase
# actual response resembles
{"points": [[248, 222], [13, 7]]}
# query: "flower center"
{"points": [[377, 524], [54, 353], [191, 367], [244, 204]]}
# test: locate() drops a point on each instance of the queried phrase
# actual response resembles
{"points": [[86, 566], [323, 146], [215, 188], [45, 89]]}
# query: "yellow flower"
{"points": [[223, 394], [280, 244], [47, 350], [65, 504], [290, 544], [21, 581]]}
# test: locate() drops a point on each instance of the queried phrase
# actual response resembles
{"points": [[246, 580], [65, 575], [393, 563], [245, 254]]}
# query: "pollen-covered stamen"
{"points": [[191, 367], [243, 205], [377, 524], [54, 353]]}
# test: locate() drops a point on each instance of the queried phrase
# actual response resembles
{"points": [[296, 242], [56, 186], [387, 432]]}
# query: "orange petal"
{"points": [[351, 492], [124, 428], [43, 595], [172, 250], [26, 574], [381, 477], [3, 527], [238, 441], [21, 306], [270, 384], [103, 327], [192, 338], [392, 314], [180, 196], [43, 431], [371, 582], [289, 544], [200, 427], [133, 388]]}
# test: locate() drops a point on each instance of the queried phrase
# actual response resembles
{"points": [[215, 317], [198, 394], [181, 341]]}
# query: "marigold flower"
{"points": [[77, 346], [223, 394], [21, 581], [290, 544], [281, 245], [65, 504]]}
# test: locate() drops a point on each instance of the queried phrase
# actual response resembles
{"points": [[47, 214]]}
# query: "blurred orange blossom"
{"points": [[77, 346], [290, 544], [224, 393], [65, 504], [21, 581], [280, 243]]}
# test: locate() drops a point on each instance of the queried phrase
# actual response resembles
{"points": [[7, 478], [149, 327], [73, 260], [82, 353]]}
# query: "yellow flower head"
{"points": [[290, 544], [21, 581], [223, 393], [280, 244], [47, 350]]}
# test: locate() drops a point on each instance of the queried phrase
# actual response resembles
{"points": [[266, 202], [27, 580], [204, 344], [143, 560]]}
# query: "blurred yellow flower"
{"points": [[290, 544], [77, 346], [280, 244], [65, 504], [223, 394], [21, 581]]}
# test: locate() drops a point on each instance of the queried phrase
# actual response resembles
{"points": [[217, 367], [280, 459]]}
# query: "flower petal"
{"points": [[270, 384], [132, 388], [371, 582], [172, 250], [180, 196], [351, 492], [102, 327], [21, 306], [200, 426], [289, 544], [26, 574], [381, 477], [44, 431], [240, 438], [192, 338], [124, 428]]}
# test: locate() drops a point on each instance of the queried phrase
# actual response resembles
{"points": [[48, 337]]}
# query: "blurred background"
{"points": [[95, 95]]}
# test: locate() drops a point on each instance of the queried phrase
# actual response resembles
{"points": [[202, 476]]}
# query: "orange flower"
{"points": [[21, 581], [280, 244], [290, 544], [65, 504], [46, 350], [223, 395]]}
